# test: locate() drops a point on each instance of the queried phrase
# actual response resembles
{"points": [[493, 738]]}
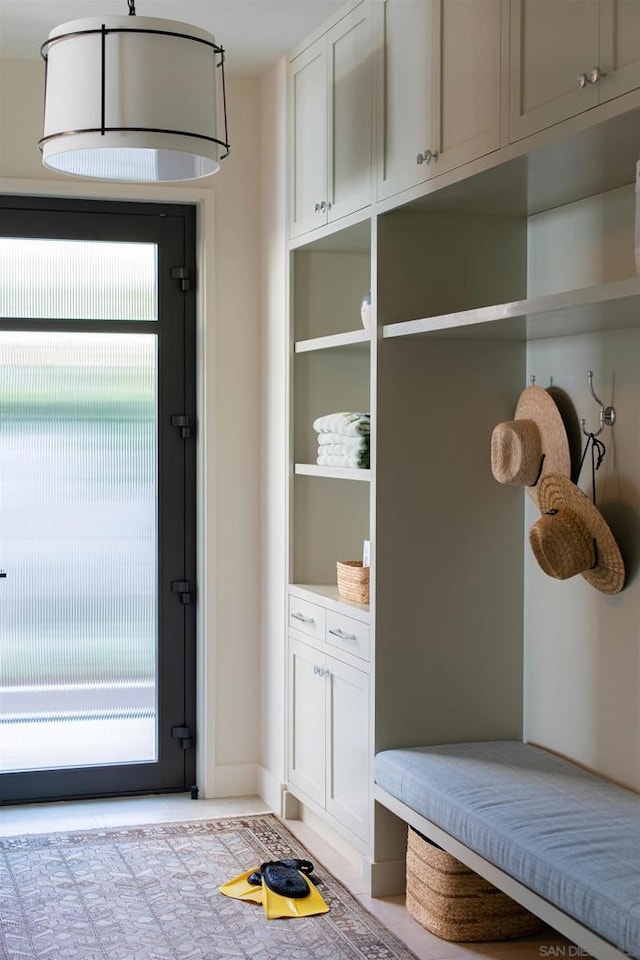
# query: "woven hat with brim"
{"points": [[573, 537], [533, 444]]}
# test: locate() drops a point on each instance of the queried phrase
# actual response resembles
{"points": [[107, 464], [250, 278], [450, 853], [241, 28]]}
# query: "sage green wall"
{"points": [[582, 648]]}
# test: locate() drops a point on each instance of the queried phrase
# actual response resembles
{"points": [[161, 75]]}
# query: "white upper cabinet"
{"points": [[568, 56], [619, 47], [468, 106], [407, 96], [331, 124], [308, 138], [439, 89]]}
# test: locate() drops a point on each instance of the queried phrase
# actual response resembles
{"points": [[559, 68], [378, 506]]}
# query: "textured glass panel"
{"points": [[78, 545], [77, 280]]}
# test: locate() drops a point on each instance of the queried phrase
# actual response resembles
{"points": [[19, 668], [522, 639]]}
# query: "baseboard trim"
{"points": [[271, 790], [291, 806], [235, 780], [386, 878]]}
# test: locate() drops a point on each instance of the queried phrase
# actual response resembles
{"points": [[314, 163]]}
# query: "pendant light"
{"points": [[133, 98]]}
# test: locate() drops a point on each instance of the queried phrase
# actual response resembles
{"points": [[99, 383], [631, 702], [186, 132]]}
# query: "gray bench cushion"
{"points": [[564, 833]]}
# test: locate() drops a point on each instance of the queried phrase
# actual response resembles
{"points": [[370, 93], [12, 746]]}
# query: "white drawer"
{"points": [[348, 634], [307, 617]]}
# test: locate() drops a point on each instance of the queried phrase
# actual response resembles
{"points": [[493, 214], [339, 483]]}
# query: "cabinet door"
{"points": [[307, 696], [553, 42], [407, 96], [467, 112], [350, 144], [619, 47], [308, 110], [347, 739]]}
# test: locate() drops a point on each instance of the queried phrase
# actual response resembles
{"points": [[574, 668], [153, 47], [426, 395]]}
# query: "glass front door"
{"points": [[94, 684], [78, 541]]}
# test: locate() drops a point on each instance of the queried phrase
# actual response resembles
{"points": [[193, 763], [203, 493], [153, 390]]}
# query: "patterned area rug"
{"points": [[151, 893]]}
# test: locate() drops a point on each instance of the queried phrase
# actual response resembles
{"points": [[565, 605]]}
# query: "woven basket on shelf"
{"points": [[353, 581], [455, 903]]}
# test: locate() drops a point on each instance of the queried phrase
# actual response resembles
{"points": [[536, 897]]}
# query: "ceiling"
{"points": [[254, 33]]}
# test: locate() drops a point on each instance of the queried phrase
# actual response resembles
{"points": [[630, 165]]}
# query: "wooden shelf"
{"points": [[608, 306], [337, 473], [335, 341]]}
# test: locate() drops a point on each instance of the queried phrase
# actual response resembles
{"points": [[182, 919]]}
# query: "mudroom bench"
{"points": [[561, 841]]}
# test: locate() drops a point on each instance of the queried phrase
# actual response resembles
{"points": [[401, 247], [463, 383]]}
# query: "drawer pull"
{"points": [[321, 671], [341, 635], [302, 618]]}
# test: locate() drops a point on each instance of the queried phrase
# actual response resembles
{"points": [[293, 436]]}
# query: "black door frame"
{"points": [[173, 228]]}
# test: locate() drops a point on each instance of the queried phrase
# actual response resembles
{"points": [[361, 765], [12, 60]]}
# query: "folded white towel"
{"points": [[326, 460], [342, 450], [353, 444], [346, 424]]}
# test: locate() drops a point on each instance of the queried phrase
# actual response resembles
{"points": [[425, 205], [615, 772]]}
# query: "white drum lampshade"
{"points": [[133, 98]]}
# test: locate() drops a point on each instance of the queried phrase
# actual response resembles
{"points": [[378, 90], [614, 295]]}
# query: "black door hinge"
{"points": [[183, 587], [184, 734], [182, 274], [183, 422]]}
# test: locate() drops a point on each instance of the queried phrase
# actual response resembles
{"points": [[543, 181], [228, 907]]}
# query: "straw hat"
{"points": [[572, 537], [533, 444]]}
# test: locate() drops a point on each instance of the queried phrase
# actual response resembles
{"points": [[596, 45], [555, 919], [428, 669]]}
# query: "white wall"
{"points": [[273, 445], [582, 648], [229, 371]]}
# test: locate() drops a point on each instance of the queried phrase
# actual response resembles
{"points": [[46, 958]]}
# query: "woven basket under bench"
{"points": [[453, 902]]}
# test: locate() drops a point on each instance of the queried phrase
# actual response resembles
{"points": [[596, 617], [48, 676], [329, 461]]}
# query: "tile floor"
{"points": [[86, 814]]}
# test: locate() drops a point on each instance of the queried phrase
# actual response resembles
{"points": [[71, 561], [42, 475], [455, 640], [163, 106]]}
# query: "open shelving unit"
{"points": [[334, 342], [330, 363], [338, 473], [597, 309]]}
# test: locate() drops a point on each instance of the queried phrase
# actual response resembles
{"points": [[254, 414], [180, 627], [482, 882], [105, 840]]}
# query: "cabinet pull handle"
{"points": [[428, 156], [302, 618], [317, 207], [320, 671], [323, 206], [595, 75], [341, 635]]}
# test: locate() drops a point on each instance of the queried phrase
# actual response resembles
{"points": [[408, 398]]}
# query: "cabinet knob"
{"points": [[320, 671], [323, 206], [595, 75], [427, 156], [317, 208]]}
